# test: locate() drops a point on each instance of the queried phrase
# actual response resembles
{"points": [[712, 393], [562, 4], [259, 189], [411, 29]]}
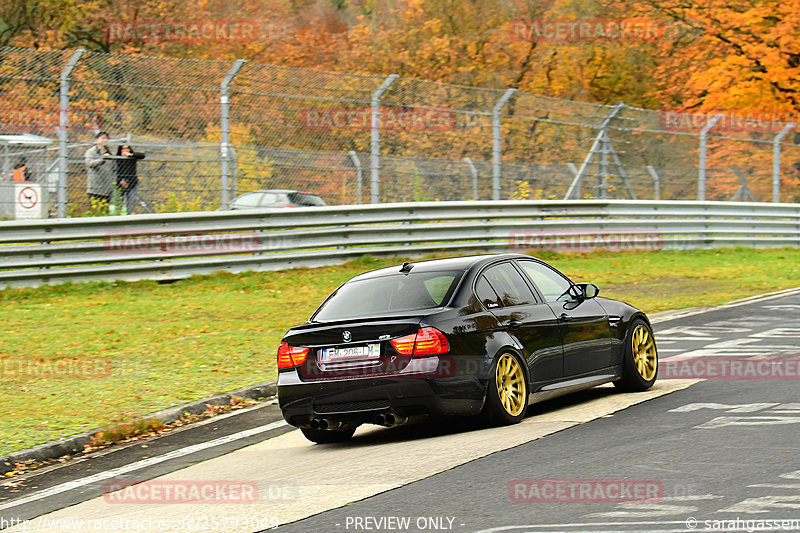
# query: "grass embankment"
{"points": [[168, 344]]}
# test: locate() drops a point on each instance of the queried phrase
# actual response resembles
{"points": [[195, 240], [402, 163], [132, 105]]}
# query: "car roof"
{"points": [[446, 263], [280, 191]]}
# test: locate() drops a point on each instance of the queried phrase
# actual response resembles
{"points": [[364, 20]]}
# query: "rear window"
{"points": [[389, 294], [300, 198]]}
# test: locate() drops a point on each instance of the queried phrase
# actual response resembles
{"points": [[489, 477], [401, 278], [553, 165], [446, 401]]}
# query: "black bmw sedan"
{"points": [[482, 335]]}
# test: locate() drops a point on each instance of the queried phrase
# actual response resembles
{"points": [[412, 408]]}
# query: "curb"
{"points": [[74, 444]]}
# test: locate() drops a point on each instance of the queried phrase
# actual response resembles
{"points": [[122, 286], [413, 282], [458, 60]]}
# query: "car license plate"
{"points": [[351, 353]]}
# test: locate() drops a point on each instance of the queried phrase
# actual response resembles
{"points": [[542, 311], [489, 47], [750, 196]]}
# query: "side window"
{"points": [[248, 200], [550, 283], [438, 287], [268, 198], [486, 294], [509, 284]]}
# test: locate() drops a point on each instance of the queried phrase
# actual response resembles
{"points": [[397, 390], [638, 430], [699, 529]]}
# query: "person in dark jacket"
{"points": [[127, 178]]}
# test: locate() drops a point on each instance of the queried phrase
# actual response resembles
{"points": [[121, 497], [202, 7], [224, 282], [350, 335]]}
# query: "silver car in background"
{"points": [[276, 198]]}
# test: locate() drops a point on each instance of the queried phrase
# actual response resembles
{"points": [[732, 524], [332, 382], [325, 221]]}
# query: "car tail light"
{"points": [[404, 345], [427, 341], [430, 341], [289, 356]]}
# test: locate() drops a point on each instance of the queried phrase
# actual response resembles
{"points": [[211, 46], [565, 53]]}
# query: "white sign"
{"points": [[27, 201]]}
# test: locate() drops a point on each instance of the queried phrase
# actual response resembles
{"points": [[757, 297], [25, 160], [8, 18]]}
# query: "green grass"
{"points": [[168, 344]]}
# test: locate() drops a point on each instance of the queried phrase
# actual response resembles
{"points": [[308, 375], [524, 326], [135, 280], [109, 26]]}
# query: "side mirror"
{"points": [[588, 290]]}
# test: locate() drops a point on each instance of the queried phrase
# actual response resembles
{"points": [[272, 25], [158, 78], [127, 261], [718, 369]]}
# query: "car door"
{"points": [[583, 323], [506, 294], [268, 199]]}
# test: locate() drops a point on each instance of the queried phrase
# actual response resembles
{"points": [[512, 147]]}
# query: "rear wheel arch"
{"points": [[503, 405], [516, 352]]}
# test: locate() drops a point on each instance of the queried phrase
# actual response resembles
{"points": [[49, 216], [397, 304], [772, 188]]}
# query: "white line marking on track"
{"points": [[700, 525], [144, 463], [742, 529], [581, 524]]}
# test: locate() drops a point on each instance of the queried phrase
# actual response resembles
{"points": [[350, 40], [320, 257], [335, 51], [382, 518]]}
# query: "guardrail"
{"points": [[173, 246]]}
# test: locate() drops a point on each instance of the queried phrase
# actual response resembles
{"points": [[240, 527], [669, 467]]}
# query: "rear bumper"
{"points": [[361, 401]]}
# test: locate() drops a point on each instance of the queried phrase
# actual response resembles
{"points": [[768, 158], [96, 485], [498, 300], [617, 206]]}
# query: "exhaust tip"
{"points": [[318, 423], [325, 424], [395, 419]]}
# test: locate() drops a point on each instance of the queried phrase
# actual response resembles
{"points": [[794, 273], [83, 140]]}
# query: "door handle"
{"points": [[514, 324], [565, 317]]}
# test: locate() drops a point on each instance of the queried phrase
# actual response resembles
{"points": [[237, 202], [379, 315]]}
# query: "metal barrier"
{"points": [[177, 245]]}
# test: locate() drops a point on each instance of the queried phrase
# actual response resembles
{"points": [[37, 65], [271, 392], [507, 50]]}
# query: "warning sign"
{"points": [[28, 201]]}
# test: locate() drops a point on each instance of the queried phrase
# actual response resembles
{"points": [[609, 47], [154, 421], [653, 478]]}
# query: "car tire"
{"points": [[328, 436], [507, 391], [640, 358]]}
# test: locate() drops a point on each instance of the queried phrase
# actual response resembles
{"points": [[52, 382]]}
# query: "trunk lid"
{"points": [[353, 348]]}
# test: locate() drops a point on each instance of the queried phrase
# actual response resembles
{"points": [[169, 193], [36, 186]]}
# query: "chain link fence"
{"points": [[213, 130]]}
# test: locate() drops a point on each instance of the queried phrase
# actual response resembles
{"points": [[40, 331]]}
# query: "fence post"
{"points": [[474, 174], [235, 161], [496, 186], [359, 173], [601, 143], [225, 129], [701, 173], [63, 131], [776, 161], [375, 139], [656, 182]]}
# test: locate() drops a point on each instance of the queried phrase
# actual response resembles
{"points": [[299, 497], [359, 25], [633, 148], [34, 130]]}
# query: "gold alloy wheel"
{"points": [[510, 382], [644, 352]]}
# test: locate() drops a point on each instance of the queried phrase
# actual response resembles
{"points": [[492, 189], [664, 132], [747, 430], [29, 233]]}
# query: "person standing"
{"points": [[127, 178], [20, 173], [100, 171]]}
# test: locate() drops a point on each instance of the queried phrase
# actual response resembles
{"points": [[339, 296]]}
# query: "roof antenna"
{"points": [[406, 268]]}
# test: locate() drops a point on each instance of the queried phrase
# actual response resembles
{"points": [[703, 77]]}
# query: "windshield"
{"points": [[389, 294]]}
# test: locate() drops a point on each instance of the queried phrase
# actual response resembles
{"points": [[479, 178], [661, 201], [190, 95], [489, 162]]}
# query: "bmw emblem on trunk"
{"points": [[346, 336]]}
